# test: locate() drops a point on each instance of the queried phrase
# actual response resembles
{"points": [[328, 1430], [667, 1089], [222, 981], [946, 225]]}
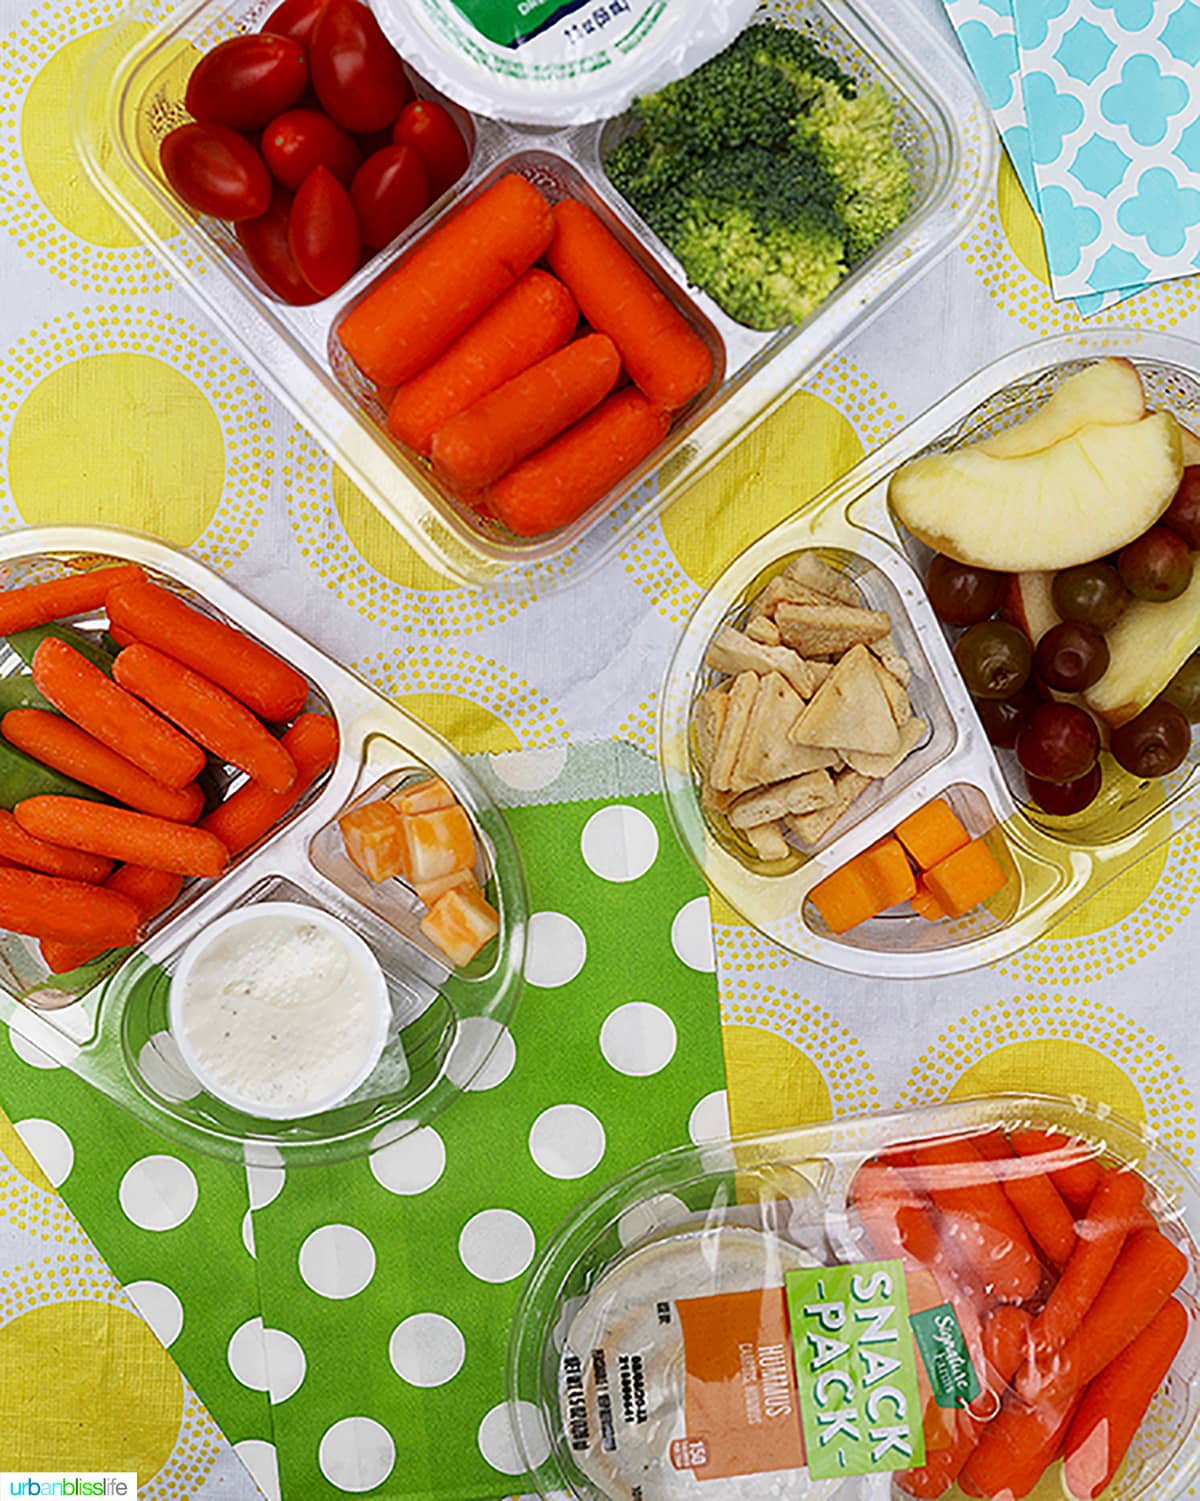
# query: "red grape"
{"points": [[960, 594], [1154, 743], [1156, 566], [1058, 743], [1062, 798], [1003, 717], [994, 658], [1090, 592], [1071, 656]]}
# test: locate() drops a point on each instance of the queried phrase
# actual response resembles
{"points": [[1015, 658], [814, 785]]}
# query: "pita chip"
{"points": [[811, 827], [850, 710], [889, 658], [741, 700], [814, 789], [733, 652], [876, 767], [768, 841], [766, 754], [762, 628], [895, 693], [828, 630], [809, 570]]}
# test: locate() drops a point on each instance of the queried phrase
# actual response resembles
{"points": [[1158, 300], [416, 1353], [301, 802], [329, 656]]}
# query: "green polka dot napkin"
{"points": [[372, 1300]]}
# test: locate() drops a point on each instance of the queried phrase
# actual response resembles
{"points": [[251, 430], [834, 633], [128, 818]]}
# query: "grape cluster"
{"points": [[1013, 683]]}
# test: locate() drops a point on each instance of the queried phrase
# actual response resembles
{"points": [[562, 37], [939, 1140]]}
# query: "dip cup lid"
{"points": [[366, 965]]}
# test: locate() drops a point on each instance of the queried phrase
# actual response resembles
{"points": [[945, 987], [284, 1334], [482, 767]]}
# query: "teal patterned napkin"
{"points": [[1112, 92], [987, 33]]}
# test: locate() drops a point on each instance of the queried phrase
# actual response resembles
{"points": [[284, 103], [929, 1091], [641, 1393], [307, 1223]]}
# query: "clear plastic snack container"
{"points": [[992, 1297], [108, 1021], [135, 88], [1052, 863]]}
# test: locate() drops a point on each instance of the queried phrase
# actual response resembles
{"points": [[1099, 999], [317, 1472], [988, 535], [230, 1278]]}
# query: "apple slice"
{"points": [[1191, 447], [1147, 647], [1108, 392], [1029, 604], [1086, 496]]}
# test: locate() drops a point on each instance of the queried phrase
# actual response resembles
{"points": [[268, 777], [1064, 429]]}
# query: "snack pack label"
{"points": [[511, 23], [944, 1354], [856, 1369], [742, 1409]]}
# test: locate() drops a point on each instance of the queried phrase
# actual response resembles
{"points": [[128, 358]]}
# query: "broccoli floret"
{"points": [[854, 141], [767, 246], [750, 94], [766, 172]]}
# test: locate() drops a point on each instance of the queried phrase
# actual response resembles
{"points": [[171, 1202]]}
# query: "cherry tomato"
{"points": [[389, 190], [358, 76], [323, 232], [296, 142], [265, 241], [246, 81], [295, 19], [431, 131], [216, 171]]}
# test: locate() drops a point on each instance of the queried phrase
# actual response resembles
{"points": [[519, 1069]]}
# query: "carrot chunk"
{"points": [[39, 604], [255, 676], [964, 879], [560, 482], [865, 886], [665, 356], [442, 287], [523, 415], [119, 834], [528, 323], [932, 833]]}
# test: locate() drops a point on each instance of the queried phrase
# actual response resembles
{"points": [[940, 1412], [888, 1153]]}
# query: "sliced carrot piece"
{"points": [[422, 797], [375, 840], [438, 843], [932, 833], [925, 904], [965, 878], [865, 886], [460, 922]]}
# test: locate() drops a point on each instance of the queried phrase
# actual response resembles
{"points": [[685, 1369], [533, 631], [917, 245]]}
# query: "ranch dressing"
{"points": [[280, 1009]]}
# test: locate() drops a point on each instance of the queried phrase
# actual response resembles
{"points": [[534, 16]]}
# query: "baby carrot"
{"points": [[252, 811], [1101, 1235], [255, 676], [1074, 1170], [150, 891], [1015, 1451], [1005, 1330], [558, 484], [896, 1215], [665, 356], [121, 636], [212, 717], [114, 717], [536, 317], [1115, 1403], [67, 911], [135, 837], [39, 604], [447, 282], [54, 857], [58, 743], [479, 445], [1147, 1272], [1050, 1223], [979, 1218]]}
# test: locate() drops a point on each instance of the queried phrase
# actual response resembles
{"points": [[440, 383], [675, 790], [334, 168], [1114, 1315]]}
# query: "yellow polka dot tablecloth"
{"points": [[230, 1333]]}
